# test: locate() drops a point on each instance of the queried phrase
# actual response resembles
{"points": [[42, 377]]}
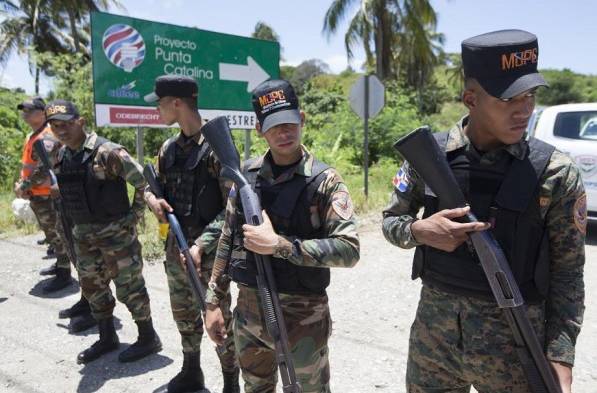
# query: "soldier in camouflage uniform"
{"points": [[532, 198], [34, 184], [92, 176], [309, 227], [189, 173]]}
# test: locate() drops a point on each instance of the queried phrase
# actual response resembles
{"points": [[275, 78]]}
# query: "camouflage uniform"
{"points": [[42, 205], [111, 251], [185, 309], [307, 317], [458, 341]]}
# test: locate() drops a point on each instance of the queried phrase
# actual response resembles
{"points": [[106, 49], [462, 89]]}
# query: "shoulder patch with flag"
{"points": [[401, 180]]}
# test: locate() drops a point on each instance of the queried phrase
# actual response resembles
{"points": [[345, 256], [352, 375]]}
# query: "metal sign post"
{"points": [[367, 100], [247, 144], [366, 136], [139, 143]]}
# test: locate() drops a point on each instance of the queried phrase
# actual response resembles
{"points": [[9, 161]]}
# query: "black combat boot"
{"points": [[147, 343], [82, 322], [79, 308], [231, 382], [61, 280], [50, 253], [190, 378], [108, 341], [48, 271]]}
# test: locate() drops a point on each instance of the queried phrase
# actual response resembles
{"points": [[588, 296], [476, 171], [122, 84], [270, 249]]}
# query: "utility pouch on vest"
{"points": [[517, 225], [290, 216], [86, 198], [194, 195]]}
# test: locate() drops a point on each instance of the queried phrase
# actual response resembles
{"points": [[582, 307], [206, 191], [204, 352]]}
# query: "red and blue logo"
{"points": [[401, 180], [124, 46]]}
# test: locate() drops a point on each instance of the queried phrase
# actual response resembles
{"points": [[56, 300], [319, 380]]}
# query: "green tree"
{"points": [[305, 71], [286, 71], [263, 31], [78, 12], [418, 47], [388, 30], [12, 137], [29, 27], [563, 88]]}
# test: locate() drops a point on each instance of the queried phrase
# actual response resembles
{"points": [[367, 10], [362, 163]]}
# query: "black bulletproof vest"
{"points": [[505, 194], [288, 206], [86, 198], [191, 191]]}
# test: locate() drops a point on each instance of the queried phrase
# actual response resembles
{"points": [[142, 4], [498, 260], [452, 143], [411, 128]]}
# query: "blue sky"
{"points": [[567, 30]]}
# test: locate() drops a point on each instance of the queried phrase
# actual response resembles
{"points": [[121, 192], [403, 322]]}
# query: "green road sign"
{"points": [[129, 53]]}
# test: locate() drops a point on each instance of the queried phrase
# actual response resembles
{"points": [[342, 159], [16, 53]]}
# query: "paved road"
{"points": [[372, 306]]}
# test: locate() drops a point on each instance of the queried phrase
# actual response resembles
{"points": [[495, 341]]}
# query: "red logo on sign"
{"points": [[134, 116]]}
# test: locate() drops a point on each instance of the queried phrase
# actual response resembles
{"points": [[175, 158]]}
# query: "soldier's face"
{"points": [[69, 132], [33, 117], [285, 139], [167, 109], [500, 122]]}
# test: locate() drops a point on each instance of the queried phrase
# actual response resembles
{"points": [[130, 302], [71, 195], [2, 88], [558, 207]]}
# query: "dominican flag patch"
{"points": [[401, 180]]}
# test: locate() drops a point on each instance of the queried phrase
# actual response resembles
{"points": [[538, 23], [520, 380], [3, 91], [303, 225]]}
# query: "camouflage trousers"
{"points": [[457, 341], [185, 308], [309, 327], [107, 253], [43, 207]]}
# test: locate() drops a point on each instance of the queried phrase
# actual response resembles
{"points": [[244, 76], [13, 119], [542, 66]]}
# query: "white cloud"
{"points": [[6, 80], [337, 63], [16, 74], [293, 63], [167, 4]]}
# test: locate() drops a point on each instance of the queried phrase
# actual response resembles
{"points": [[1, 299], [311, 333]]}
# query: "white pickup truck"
{"points": [[572, 128]]}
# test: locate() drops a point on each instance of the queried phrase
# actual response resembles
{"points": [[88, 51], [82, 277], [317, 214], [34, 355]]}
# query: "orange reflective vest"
{"points": [[29, 164]]}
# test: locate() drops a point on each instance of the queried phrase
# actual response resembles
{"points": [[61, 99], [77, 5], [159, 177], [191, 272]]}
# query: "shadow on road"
{"points": [[37, 290], [89, 332], [95, 374], [164, 389]]}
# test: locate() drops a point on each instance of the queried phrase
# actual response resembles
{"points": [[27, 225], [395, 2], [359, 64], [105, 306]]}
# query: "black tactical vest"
{"points": [[86, 198], [191, 191], [505, 194], [288, 206]]}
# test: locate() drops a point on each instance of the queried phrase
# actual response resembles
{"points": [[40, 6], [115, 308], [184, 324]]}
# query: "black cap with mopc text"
{"points": [[503, 62], [275, 102], [173, 86], [61, 110], [35, 103]]}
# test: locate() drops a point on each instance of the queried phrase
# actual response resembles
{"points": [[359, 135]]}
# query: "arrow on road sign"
{"points": [[252, 73]]}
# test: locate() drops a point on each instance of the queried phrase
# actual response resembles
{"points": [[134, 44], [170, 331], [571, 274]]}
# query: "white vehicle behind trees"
{"points": [[572, 128]]}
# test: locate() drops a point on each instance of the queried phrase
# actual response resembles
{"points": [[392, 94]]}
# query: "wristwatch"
{"points": [[210, 296], [285, 249]]}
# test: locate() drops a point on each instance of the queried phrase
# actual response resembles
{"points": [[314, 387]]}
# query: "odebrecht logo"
{"points": [[123, 46]]}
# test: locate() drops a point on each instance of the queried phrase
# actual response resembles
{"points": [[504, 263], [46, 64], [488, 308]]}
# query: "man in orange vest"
{"points": [[34, 184]]}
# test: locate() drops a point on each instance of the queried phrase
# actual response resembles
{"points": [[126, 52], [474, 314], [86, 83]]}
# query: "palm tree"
{"points": [[77, 13], [455, 70], [386, 29], [27, 29], [419, 46], [263, 31], [373, 25]]}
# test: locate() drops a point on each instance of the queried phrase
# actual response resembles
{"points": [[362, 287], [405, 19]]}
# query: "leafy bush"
{"points": [[13, 131]]}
